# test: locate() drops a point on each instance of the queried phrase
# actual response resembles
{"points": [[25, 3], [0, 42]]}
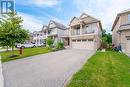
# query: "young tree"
{"points": [[12, 31], [49, 42], [4, 38]]}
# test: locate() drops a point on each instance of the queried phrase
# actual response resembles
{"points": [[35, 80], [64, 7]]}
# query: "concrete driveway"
{"points": [[46, 70]]}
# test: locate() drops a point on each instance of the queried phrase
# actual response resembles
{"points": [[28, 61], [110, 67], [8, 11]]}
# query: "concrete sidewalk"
{"points": [[46, 70], [3, 50], [1, 75]]}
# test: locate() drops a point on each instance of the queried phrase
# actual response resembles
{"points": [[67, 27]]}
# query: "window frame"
{"points": [[129, 18], [127, 37]]}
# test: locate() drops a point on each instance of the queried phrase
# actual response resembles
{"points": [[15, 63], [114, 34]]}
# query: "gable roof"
{"points": [[80, 19], [125, 11], [84, 14], [73, 19], [43, 28], [58, 25], [118, 16]]}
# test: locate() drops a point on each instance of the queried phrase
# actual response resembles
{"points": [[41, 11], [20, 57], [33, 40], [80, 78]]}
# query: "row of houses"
{"points": [[85, 32]]}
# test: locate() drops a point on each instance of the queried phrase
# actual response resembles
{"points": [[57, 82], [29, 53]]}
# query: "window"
{"points": [[78, 40], [129, 18], [84, 40], [74, 40], [127, 37], [90, 39], [85, 28], [90, 28]]}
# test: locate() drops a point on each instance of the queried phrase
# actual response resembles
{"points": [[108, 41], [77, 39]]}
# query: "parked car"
{"points": [[39, 45], [29, 45]]}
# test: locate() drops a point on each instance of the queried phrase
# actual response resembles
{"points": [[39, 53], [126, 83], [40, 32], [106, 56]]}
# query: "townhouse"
{"points": [[121, 31], [53, 30], [84, 32], [38, 37]]}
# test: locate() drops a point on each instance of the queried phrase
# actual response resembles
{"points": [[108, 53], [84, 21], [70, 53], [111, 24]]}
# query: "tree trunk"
{"points": [[7, 49], [12, 50]]}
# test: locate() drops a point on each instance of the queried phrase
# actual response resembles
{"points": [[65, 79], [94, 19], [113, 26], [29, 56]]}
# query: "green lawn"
{"points": [[109, 69], [26, 53]]}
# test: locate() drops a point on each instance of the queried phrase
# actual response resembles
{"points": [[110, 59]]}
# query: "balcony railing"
{"points": [[87, 31], [75, 32]]}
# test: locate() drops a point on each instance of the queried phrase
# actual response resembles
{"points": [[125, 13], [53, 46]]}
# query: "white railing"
{"points": [[75, 32], [1, 75]]}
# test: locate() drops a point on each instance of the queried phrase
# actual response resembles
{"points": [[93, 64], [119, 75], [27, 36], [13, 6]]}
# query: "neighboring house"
{"points": [[30, 38], [38, 37], [121, 31], [84, 33], [53, 30]]}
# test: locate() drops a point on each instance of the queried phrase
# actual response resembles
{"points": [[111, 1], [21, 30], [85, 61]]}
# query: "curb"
{"points": [[1, 75]]}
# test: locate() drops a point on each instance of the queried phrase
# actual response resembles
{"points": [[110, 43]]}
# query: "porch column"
{"points": [[70, 32], [81, 27]]}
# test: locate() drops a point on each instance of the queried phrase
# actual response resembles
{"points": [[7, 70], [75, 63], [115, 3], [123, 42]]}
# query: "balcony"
{"points": [[75, 32], [87, 31]]}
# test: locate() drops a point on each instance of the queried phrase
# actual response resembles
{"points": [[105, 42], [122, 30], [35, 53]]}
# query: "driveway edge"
{"points": [[67, 81]]}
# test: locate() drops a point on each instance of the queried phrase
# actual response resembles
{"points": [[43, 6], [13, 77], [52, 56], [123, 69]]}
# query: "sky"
{"points": [[37, 13]]}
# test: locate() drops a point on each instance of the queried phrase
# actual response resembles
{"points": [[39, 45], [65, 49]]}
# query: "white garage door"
{"points": [[128, 46], [83, 44]]}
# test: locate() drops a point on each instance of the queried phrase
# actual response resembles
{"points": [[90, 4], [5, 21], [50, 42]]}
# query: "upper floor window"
{"points": [[129, 18], [86, 28], [127, 37]]}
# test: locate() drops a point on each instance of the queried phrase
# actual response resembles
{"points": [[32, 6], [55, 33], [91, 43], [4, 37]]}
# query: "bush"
{"points": [[49, 42], [60, 45]]}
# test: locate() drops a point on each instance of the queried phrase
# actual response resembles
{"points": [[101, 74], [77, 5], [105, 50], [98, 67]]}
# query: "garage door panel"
{"points": [[83, 45]]}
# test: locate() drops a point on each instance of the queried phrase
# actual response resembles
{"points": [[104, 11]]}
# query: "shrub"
{"points": [[49, 42], [60, 45]]}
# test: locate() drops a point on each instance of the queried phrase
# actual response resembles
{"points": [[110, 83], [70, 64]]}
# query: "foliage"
{"points": [[60, 45], [49, 42], [11, 31], [106, 39]]}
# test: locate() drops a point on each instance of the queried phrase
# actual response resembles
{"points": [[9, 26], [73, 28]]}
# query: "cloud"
{"points": [[105, 10], [30, 22], [40, 3], [46, 2], [35, 23], [59, 9]]}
